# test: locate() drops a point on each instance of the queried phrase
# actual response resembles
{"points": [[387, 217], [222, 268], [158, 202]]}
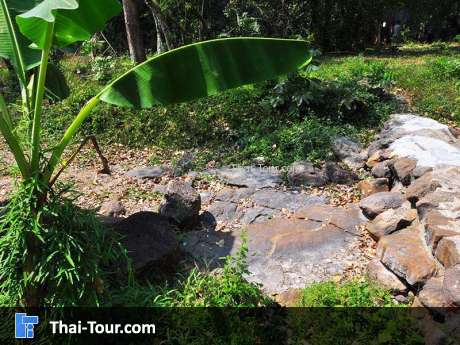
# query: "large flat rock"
{"points": [[291, 253], [348, 219], [427, 151], [414, 125], [255, 177], [279, 200]]}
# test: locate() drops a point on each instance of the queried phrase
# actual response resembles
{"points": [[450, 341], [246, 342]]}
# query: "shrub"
{"points": [[361, 321], [445, 68], [71, 265], [285, 121], [353, 293]]}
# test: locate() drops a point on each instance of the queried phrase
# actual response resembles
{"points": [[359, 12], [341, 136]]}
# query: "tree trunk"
{"points": [[160, 48], [160, 22], [133, 31]]}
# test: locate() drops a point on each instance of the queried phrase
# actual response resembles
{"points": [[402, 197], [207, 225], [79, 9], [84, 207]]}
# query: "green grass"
{"points": [[354, 293], [360, 318], [283, 122], [427, 74], [234, 127]]}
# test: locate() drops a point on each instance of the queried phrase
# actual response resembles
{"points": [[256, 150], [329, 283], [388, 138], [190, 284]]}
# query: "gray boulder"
{"points": [[150, 241], [306, 174], [182, 204], [382, 169], [336, 174], [150, 172], [349, 152], [378, 203]]}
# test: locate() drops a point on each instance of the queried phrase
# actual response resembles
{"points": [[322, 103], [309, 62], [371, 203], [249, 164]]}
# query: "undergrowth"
{"points": [[226, 287], [283, 121], [74, 253], [360, 318], [354, 293]]}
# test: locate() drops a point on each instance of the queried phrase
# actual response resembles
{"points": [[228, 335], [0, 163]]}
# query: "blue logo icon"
{"points": [[24, 326]]}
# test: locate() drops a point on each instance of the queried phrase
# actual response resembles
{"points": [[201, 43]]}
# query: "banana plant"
{"points": [[30, 29], [180, 75]]}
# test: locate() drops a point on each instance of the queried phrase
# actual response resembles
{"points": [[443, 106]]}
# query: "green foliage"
{"points": [[73, 20], [445, 68], [431, 84], [425, 74], [102, 68], [242, 124], [352, 293], [211, 67], [226, 287], [361, 321], [73, 251]]}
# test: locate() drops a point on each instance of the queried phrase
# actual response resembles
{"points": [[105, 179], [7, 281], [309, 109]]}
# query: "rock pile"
{"points": [[417, 223]]}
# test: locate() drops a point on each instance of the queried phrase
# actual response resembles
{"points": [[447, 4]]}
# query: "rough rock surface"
{"points": [[421, 187], [336, 174], [306, 174], [432, 294], [182, 204], [279, 200], [390, 221], [403, 168], [448, 251], [252, 177], [377, 203], [451, 285], [439, 226], [223, 210], [379, 273], [150, 241], [290, 253], [369, 187], [348, 219], [349, 152], [150, 172], [382, 169], [407, 255]]}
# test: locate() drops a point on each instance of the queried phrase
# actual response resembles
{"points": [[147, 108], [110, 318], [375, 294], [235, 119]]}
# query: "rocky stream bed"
{"points": [[399, 222]]}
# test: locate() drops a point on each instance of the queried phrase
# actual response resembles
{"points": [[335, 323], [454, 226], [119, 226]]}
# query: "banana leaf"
{"points": [[204, 69], [74, 20]]}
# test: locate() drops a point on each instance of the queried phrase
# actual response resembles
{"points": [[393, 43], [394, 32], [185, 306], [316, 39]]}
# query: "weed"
{"points": [[71, 268], [353, 293]]}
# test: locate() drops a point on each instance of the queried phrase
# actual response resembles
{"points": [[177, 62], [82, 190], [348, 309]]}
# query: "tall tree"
{"points": [[161, 24], [133, 31]]}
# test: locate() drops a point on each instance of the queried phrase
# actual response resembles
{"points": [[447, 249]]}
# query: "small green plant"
{"points": [[102, 67], [446, 68], [354, 293], [360, 320]]}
